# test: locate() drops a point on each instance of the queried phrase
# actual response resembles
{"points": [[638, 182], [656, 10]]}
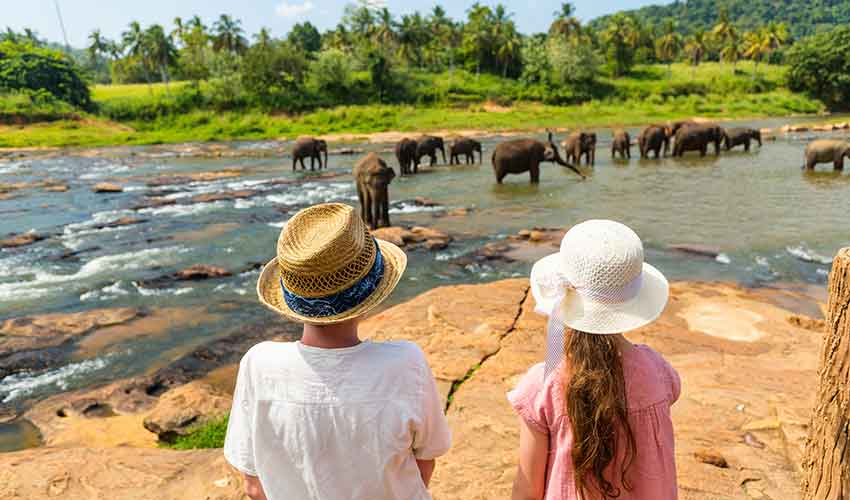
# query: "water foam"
{"points": [[159, 292], [112, 291], [412, 208], [44, 282], [22, 384], [184, 210], [806, 254], [312, 193]]}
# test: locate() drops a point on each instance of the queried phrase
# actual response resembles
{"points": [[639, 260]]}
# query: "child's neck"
{"points": [[336, 336]]}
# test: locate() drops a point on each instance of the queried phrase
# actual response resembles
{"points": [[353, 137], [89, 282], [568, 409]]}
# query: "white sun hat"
{"points": [[598, 283]]}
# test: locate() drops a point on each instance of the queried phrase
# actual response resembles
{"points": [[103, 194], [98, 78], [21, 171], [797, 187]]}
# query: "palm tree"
{"points": [[179, 31], [161, 51], [383, 33], [98, 46], [621, 37], [565, 23], [229, 35], [412, 35], [696, 47], [135, 44], [756, 45], [668, 46], [263, 38], [732, 50], [505, 38]]}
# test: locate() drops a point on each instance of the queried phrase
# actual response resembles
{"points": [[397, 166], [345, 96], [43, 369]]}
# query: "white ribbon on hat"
{"points": [[551, 289]]}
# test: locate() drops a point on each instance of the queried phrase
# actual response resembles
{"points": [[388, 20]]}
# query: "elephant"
{"points": [[428, 146], [372, 177], [737, 136], [309, 147], [674, 127], [825, 151], [622, 144], [654, 138], [697, 137], [465, 147], [405, 152], [525, 155], [580, 144]]}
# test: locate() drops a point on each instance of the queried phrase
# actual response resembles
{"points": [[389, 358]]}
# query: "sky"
{"points": [[112, 16]]}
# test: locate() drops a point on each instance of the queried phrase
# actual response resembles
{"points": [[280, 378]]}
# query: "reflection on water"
{"points": [[771, 221], [18, 435]]}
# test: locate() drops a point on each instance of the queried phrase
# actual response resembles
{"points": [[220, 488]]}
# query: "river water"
{"points": [[772, 222]]}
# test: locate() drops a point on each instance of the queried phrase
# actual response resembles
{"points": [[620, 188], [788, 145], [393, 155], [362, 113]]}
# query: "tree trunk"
{"points": [[826, 465]]}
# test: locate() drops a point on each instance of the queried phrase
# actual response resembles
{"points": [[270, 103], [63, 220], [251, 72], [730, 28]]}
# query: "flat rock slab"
{"points": [[106, 187], [51, 330], [20, 240], [125, 473]]}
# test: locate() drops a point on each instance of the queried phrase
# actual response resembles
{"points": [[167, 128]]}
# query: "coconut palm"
{"points": [[178, 33], [621, 36], [756, 46], [696, 47], [229, 35], [412, 34], [383, 32], [98, 46], [565, 23], [136, 45], [668, 46], [732, 51], [161, 51], [263, 38]]}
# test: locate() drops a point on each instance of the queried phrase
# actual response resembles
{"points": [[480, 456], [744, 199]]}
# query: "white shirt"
{"points": [[336, 424]]}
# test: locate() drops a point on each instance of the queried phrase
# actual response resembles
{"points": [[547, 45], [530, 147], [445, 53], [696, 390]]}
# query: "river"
{"points": [[773, 224]]}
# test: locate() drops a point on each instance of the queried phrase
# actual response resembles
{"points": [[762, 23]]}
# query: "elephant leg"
{"points": [[747, 146], [500, 174], [629, 152], [364, 207], [377, 215], [704, 150], [535, 173], [385, 207], [294, 161], [593, 157]]}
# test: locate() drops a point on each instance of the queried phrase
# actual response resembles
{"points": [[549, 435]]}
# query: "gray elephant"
{"points": [[405, 153], [372, 177], [518, 156], [622, 144], [697, 137], [309, 147], [733, 137], [825, 151], [467, 148], [428, 146], [580, 144], [654, 138]]}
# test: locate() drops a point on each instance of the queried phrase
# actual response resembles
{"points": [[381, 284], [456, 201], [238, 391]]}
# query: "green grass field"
{"points": [[650, 94]]}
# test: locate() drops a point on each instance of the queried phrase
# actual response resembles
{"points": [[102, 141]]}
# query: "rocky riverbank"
{"points": [[748, 368]]}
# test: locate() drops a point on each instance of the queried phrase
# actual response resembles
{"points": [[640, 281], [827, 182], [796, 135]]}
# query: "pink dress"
{"points": [[652, 386]]}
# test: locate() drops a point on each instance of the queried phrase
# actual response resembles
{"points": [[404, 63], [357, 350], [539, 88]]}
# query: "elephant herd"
{"points": [[373, 175]]}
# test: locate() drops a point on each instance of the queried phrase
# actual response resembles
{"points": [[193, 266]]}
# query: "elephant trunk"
{"points": [[326, 157], [561, 162]]}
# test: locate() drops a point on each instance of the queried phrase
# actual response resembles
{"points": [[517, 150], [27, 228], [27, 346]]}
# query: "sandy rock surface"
{"points": [[179, 411], [748, 369], [49, 330]]}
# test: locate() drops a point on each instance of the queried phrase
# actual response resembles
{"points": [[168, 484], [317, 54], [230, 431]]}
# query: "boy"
{"points": [[332, 417]]}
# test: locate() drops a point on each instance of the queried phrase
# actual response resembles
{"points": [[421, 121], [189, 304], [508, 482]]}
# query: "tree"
{"points": [[195, 53], [826, 464], [732, 50], [696, 47], [331, 73], [305, 37], [384, 33], [135, 44], [160, 51], [760, 44], [228, 35], [380, 71], [620, 36], [263, 38], [505, 38], [42, 72], [412, 37], [819, 65], [98, 46], [272, 68], [565, 23], [668, 46]]}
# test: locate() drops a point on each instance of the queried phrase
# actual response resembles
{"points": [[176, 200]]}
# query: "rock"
{"points": [[822, 128], [106, 187], [536, 236], [700, 250], [154, 203], [73, 255], [430, 238], [228, 195], [459, 212], [421, 201], [128, 473], [841, 126], [787, 129], [807, 323], [201, 272], [60, 188], [524, 234], [711, 457], [123, 221], [20, 240], [181, 410], [195, 177], [52, 330]]}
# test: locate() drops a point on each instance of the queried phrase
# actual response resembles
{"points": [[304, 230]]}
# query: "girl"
{"points": [[595, 417]]}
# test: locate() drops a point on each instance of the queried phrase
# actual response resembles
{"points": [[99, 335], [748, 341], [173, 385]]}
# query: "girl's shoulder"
{"points": [[650, 377]]}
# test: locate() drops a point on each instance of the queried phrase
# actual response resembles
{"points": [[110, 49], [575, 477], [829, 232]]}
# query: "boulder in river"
{"points": [[123, 221], [223, 196], [155, 202], [198, 272], [20, 240], [107, 187], [58, 188], [415, 237], [699, 250]]}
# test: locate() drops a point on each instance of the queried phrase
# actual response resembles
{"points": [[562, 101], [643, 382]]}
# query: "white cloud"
{"points": [[286, 9], [376, 4]]}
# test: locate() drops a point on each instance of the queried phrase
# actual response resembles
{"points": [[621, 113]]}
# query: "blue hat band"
{"points": [[338, 303]]}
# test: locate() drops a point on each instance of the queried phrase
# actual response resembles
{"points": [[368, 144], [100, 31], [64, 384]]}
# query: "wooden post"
{"points": [[826, 466]]}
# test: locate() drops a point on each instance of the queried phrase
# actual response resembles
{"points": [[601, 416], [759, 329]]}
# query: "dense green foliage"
{"points": [[804, 17], [209, 435], [42, 72], [821, 67]]}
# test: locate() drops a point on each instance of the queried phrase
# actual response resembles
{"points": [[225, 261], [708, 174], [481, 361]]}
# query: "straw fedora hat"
{"points": [[599, 283], [329, 268]]}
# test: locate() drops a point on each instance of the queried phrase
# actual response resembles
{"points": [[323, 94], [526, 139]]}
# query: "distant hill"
{"points": [[803, 17]]}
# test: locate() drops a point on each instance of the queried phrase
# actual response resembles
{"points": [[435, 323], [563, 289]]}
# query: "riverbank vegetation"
{"points": [[208, 435], [375, 72]]}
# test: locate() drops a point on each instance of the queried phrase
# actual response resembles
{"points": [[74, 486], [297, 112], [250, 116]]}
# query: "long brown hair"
{"points": [[598, 412]]}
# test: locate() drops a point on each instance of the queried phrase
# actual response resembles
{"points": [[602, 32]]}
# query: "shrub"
{"points": [[26, 67], [819, 65], [331, 74], [209, 435]]}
